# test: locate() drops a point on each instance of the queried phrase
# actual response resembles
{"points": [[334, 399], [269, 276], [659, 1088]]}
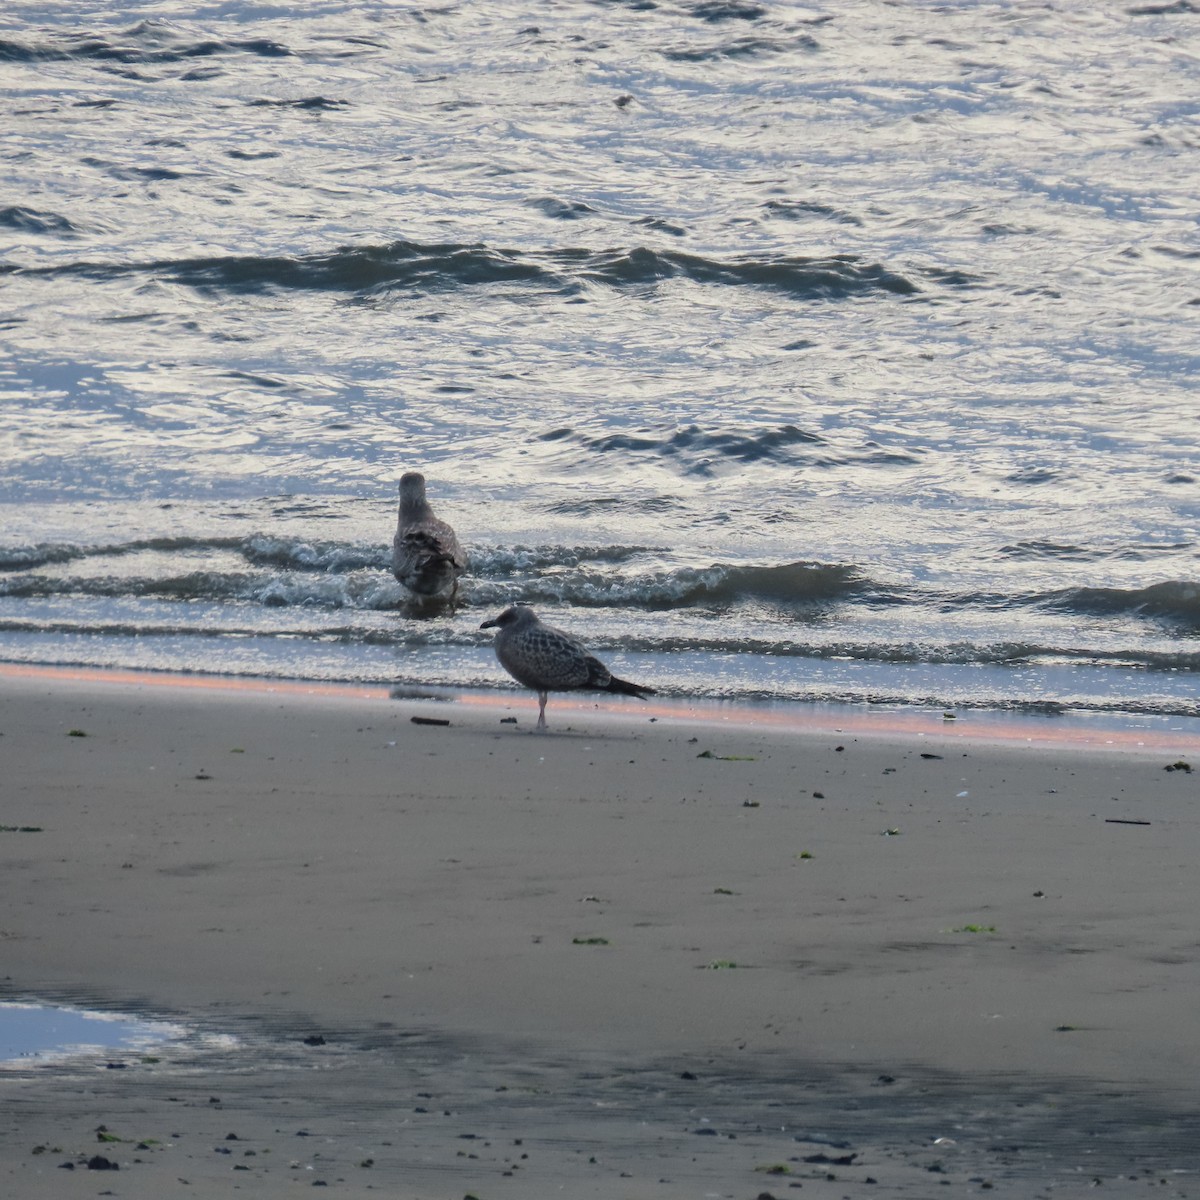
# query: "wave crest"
{"points": [[700, 451], [770, 443], [144, 43], [715, 587], [1174, 600], [44, 554], [297, 554], [30, 220], [412, 266]]}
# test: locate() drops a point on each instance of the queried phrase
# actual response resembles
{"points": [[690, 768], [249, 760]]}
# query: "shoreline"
{"points": [[599, 941], [1071, 727]]}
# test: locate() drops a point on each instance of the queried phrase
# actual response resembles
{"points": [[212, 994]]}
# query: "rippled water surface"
{"points": [[806, 352]]}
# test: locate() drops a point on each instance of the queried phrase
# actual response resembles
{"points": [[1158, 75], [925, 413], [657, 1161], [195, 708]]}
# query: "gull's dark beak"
{"points": [[489, 624]]}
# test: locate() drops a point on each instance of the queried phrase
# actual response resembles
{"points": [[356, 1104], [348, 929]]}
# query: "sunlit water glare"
{"points": [[801, 353]]}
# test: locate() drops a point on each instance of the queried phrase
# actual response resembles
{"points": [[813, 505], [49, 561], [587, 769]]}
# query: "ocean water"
{"points": [[784, 352]]}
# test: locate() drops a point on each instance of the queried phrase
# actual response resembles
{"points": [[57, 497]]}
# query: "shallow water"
{"points": [[822, 353], [52, 1033]]}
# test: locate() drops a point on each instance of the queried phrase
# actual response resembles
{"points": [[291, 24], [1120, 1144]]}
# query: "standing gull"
{"points": [[548, 660], [426, 556]]}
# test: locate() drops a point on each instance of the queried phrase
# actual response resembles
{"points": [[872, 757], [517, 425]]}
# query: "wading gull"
{"points": [[426, 556], [548, 660]]}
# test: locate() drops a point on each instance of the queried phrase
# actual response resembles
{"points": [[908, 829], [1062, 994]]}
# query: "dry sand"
{"points": [[593, 963]]}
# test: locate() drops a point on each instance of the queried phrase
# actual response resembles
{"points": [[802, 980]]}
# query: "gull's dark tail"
{"points": [[629, 689], [435, 560]]}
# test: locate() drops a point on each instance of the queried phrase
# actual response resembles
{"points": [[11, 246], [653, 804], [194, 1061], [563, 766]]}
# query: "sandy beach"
{"points": [[649, 954]]}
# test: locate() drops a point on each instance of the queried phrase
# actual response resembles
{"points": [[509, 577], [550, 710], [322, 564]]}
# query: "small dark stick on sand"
{"points": [[549, 660]]}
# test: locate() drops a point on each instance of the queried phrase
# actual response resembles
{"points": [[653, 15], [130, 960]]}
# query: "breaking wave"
{"points": [[41, 554], [294, 572], [280, 570]]}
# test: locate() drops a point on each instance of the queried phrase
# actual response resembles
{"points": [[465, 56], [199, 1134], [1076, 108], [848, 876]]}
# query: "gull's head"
{"points": [[412, 486], [514, 614]]}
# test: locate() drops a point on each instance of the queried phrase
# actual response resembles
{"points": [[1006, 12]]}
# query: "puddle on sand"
{"points": [[52, 1033]]}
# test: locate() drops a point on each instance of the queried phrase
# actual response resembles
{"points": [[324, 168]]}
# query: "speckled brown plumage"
{"points": [[426, 556], [549, 660]]}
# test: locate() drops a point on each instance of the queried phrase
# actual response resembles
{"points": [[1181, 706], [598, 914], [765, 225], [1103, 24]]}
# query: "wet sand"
{"points": [[634, 957]]}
